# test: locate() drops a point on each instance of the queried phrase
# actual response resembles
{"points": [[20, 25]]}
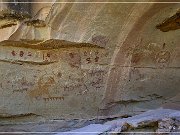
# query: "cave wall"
{"points": [[135, 69]]}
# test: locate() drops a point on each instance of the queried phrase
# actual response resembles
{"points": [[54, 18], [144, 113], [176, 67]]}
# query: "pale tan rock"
{"points": [[138, 70], [65, 76], [3, 6], [42, 8]]}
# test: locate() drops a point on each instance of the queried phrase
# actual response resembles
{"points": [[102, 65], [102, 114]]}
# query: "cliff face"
{"points": [[117, 59]]}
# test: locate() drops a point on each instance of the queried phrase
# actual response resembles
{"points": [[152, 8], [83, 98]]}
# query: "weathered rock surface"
{"points": [[116, 59], [61, 80], [154, 121]]}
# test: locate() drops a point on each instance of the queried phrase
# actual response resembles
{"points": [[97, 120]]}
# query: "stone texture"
{"points": [[129, 67], [65, 77], [155, 122]]}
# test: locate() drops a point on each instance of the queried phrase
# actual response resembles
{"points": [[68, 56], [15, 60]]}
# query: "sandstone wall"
{"points": [[137, 70]]}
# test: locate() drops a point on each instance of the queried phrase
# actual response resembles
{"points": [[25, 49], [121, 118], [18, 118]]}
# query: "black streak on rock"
{"points": [[172, 23]]}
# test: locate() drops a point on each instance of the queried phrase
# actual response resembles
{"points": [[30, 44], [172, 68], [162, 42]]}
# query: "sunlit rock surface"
{"points": [[77, 60]]}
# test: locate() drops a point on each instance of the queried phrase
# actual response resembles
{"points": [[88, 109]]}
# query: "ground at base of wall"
{"points": [[157, 121]]}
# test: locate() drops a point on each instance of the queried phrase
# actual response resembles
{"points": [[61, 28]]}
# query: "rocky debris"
{"points": [[169, 125], [154, 121]]}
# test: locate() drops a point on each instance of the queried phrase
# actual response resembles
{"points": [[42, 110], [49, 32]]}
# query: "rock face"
{"points": [[53, 75], [151, 122], [80, 60]]}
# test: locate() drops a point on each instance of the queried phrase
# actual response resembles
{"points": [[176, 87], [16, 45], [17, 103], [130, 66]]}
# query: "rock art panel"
{"points": [[74, 60], [58, 74], [144, 70]]}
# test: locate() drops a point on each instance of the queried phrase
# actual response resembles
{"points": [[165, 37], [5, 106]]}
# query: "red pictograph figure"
{"points": [[48, 55], [88, 60], [21, 53], [96, 52], [85, 53], [96, 59], [29, 54], [71, 55], [13, 53]]}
